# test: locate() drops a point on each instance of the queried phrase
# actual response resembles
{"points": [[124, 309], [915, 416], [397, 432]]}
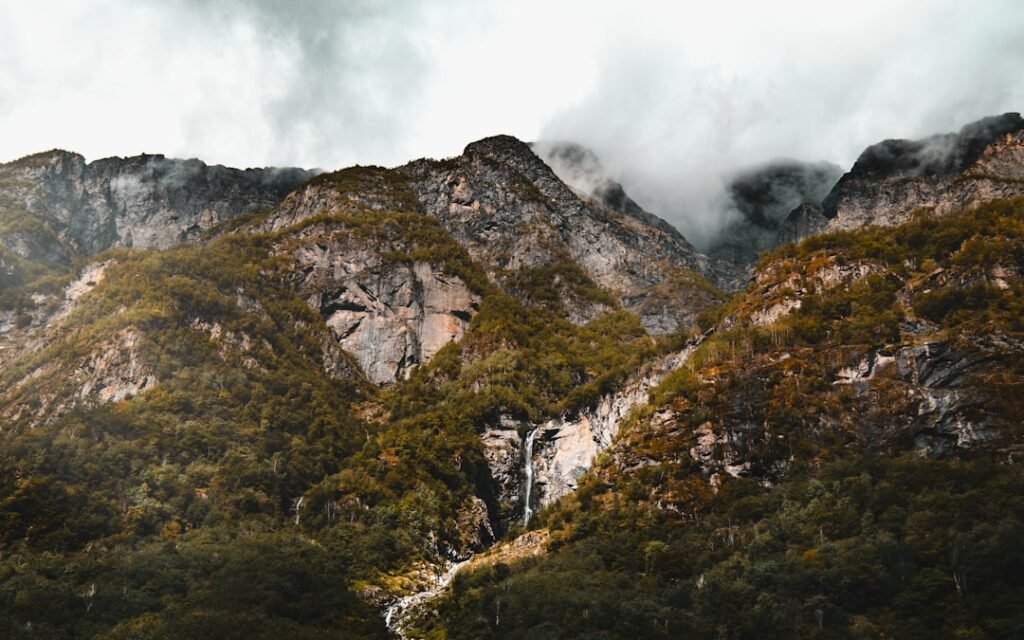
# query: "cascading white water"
{"points": [[528, 455]]}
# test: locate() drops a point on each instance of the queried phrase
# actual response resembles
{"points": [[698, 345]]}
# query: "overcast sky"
{"points": [[672, 95]]}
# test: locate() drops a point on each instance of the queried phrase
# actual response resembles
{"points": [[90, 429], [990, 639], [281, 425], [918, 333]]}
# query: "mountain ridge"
{"points": [[325, 402]]}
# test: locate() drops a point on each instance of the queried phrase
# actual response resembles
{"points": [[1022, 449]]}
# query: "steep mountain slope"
{"points": [[525, 226], [840, 452], [143, 201], [946, 173], [310, 416], [220, 397], [581, 170]]}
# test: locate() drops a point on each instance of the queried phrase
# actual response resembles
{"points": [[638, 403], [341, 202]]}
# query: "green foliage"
{"points": [[547, 285], [866, 548], [864, 313], [925, 237], [201, 584], [21, 277], [529, 363], [977, 304], [247, 493], [377, 184], [188, 476], [843, 544]]}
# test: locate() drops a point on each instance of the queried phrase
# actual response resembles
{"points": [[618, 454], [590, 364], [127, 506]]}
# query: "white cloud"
{"points": [[673, 95], [688, 95]]}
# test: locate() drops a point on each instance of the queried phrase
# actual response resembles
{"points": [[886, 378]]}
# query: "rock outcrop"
{"points": [[805, 220], [390, 314], [512, 212], [113, 371], [566, 446], [391, 318]]}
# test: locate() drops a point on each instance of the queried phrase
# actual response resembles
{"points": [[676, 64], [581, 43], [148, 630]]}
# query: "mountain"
{"points": [[763, 198], [836, 458], [894, 178], [146, 201], [421, 401], [582, 171], [525, 227]]}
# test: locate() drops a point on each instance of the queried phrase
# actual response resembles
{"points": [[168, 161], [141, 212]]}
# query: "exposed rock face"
{"points": [[780, 288], [113, 371], [391, 316], [36, 247], [21, 331], [143, 201], [512, 212], [764, 198], [893, 178], [565, 447], [474, 525], [116, 371], [933, 378], [503, 449], [950, 416]]}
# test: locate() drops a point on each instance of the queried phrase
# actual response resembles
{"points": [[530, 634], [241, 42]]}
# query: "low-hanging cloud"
{"points": [[675, 97], [684, 102]]}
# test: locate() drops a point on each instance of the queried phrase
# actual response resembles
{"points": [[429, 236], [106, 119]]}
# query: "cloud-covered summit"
{"points": [[673, 97]]}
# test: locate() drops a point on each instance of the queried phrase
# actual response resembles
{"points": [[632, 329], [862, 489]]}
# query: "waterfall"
{"points": [[528, 455]]}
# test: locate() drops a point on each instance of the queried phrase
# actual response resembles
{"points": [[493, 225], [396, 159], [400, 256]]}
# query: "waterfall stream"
{"points": [[528, 456], [397, 614]]}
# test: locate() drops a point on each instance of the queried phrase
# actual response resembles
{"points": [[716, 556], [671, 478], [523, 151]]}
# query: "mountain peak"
{"points": [[945, 172], [500, 146], [580, 168], [941, 154]]}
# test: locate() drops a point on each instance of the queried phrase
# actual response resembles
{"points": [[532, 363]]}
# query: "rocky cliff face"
{"points": [[943, 173], [143, 201], [564, 448], [512, 212], [516, 217], [228, 382], [390, 315], [805, 220]]}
